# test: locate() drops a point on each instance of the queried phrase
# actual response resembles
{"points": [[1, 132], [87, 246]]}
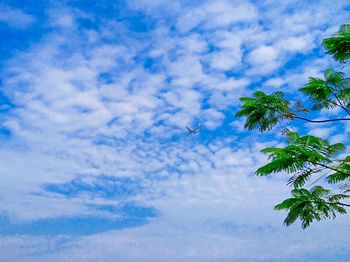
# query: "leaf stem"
{"points": [[341, 104], [320, 121], [338, 203], [331, 168]]}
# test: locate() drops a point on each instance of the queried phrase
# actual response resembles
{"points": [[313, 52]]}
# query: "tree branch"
{"points": [[331, 168], [320, 121], [318, 179], [293, 115], [341, 104], [338, 203]]}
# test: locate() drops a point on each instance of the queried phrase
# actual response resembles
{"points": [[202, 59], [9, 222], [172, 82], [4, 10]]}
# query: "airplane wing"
{"points": [[189, 129]]}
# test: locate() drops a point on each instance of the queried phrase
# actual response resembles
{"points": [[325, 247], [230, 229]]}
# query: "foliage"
{"points": [[339, 44], [308, 157], [333, 91], [301, 157], [263, 111], [309, 205]]}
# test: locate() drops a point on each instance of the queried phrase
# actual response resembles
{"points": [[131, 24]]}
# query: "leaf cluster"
{"points": [[309, 205], [338, 45], [263, 111], [307, 157], [303, 157], [330, 92], [343, 173]]}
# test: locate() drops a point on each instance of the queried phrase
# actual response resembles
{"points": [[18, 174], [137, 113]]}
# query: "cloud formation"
{"points": [[15, 17], [96, 130]]}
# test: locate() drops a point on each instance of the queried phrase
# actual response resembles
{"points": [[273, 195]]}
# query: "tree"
{"points": [[308, 157]]}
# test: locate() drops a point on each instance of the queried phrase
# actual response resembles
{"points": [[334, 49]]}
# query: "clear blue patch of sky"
{"points": [[4, 133], [340, 256], [5, 103], [5, 106], [153, 65], [103, 186], [118, 11], [237, 229], [14, 40], [131, 215]]}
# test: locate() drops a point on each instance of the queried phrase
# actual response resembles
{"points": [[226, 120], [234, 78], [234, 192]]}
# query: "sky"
{"points": [[95, 160]]}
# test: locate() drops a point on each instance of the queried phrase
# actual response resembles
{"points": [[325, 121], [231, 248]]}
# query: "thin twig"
{"points": [[320, 121]]}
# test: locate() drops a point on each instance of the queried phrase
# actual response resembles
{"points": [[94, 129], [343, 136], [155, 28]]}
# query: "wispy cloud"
{"points": [[15, 17], [96, 131]]}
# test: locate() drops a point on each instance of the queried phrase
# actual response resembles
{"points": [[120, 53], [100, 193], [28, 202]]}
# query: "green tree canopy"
{"points": [[308, 160], [338, 45]]}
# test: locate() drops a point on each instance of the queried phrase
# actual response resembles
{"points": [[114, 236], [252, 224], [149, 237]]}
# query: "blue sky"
{"points": [[95, 162]]}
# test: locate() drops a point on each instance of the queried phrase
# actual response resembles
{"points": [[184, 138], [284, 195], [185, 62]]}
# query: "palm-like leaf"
{"points": [[301, 152], [338, 45], [333, 91], [304, 157], [319, 93], [307, 156], [263, 111], [341, 175], [299, 180], [309, 205]]}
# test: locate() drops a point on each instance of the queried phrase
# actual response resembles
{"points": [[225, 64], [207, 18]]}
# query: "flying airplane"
{"points": [[193, 131]]}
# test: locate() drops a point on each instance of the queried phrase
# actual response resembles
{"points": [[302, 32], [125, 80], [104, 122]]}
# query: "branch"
{"points": [[293, 115], [320, 121], [338, 203], [331, 203], [318, 179], [341, 104], [331, 168]]}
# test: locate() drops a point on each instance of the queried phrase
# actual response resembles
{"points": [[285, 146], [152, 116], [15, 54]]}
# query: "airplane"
{"points": [[193, 131]]}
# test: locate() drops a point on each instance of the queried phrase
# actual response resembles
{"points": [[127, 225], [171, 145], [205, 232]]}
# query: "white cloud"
{"points": [[338, 138], [98, 110], [194, 44], [225, 60], [63, 20], [225, 13], [323, 132], [15, 17], [218, 14], [233, 84], [213, 118], [296, 44], [298, 78], [155, 5], [263, 55], [274, 82]]}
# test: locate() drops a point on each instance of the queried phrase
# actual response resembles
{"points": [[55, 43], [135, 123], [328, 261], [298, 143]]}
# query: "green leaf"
{"points": [[319, 93], [338, 45], [271, 150], [298, 193], [263, 111], [300, 180], [338, 197], [286, 204], [309, 205], [335, 149], [307, 158], [337, 177], [344, 28], [328, 73], [319, 191]]}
